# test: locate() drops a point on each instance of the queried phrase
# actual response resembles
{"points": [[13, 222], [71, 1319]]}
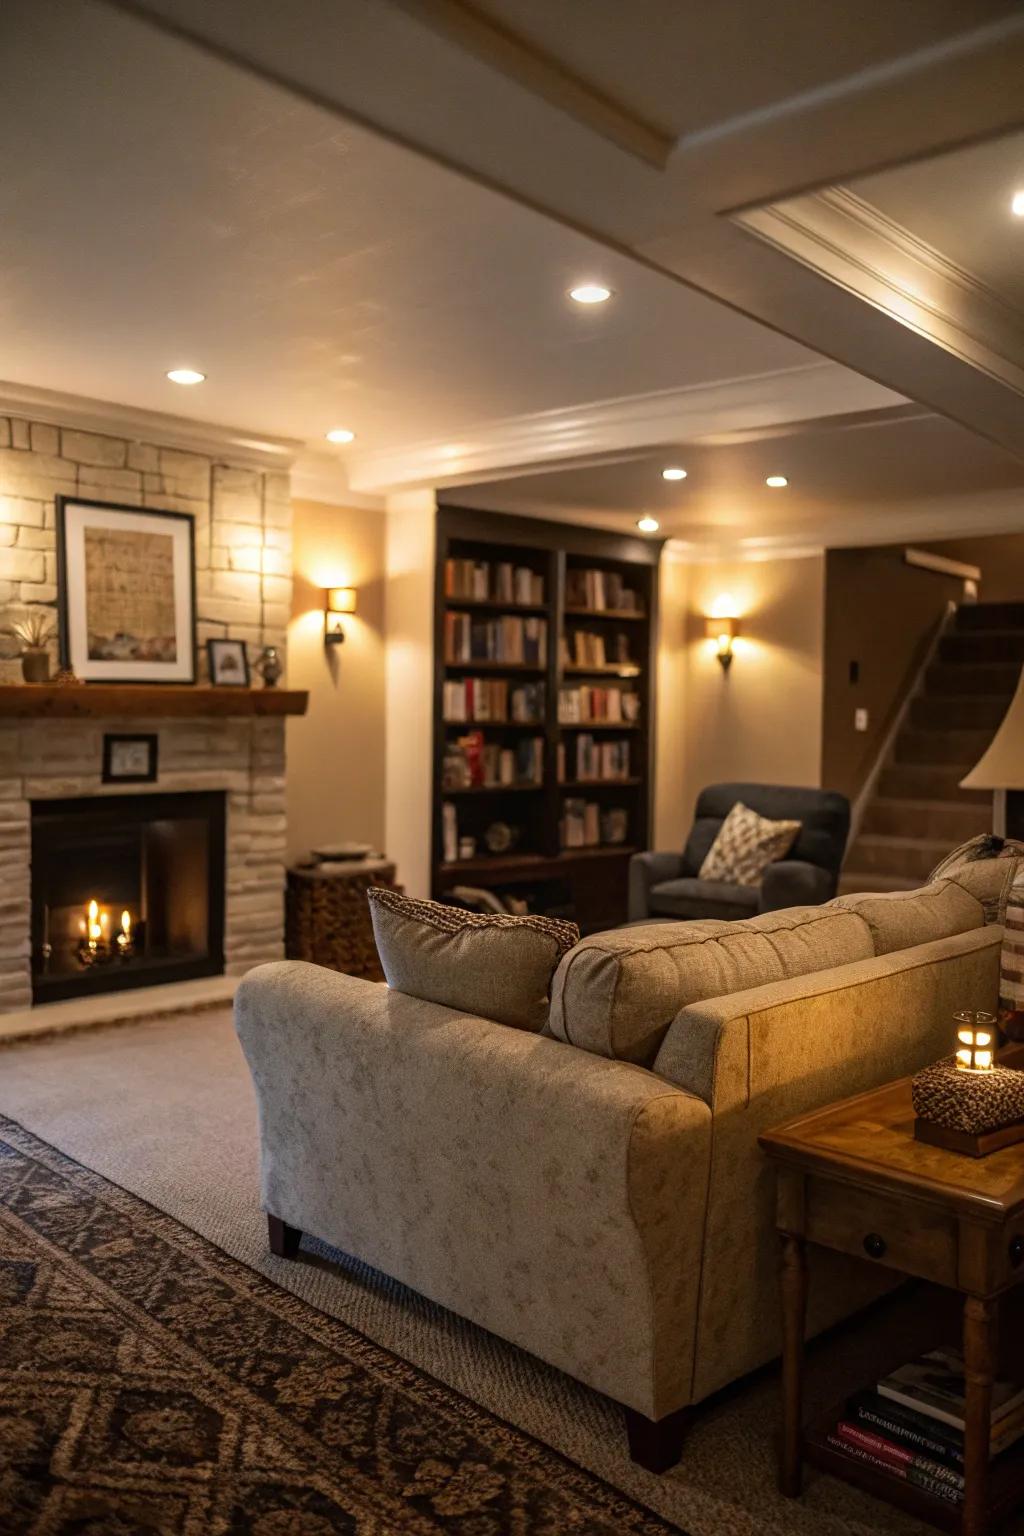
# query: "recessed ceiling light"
{"points": [[648, 524], [673, 473], [340, 435], [1017, 204], [776, 482], [590, 293], [185, 376]]}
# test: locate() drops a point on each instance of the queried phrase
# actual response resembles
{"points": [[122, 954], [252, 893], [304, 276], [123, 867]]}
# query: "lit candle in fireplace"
{"points": [[94, 930], [124, 938]]}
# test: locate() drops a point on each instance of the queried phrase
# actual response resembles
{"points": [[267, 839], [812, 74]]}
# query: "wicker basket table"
{"points": [[327, 918]]}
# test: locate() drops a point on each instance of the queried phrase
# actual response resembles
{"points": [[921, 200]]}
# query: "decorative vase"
{"points": [[269, 666], [35, 666]]}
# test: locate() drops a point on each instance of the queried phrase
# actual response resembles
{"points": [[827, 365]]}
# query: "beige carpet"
{"points": [[165, 1110]]}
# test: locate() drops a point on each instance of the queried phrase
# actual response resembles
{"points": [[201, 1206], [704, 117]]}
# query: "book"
{"points": [[934, 1385], [907, 1428], [937, 1488], [897, 1455]]}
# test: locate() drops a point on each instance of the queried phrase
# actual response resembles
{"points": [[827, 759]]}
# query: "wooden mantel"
{"points": [[82, 701]]}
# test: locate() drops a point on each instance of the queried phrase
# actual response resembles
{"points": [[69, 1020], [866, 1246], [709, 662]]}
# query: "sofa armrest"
{"points": [[546, 1193], [761, 1057], [645, 870], [794, 883]]}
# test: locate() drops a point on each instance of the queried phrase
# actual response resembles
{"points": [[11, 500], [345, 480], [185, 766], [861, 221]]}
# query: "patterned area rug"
{"points": [[151, 1384]]}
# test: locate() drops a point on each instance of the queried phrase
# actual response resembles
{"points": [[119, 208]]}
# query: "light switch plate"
{"points": [[860, 719]]}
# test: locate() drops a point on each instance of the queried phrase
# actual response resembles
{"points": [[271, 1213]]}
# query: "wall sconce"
{"points": [[723, 631], [975, 1036], [337, 600]]}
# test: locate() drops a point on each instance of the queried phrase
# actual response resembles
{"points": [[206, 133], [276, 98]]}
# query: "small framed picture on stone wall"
{"points": [[126, 592], [130, 759]]}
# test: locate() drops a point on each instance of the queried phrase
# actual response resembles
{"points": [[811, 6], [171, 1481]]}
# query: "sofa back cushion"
{"points": [[901, 919], [495, 966], [617, 993], [824, 818]]}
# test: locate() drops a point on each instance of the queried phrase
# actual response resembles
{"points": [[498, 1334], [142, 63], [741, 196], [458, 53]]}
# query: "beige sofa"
{"points": [[595, 1193]]}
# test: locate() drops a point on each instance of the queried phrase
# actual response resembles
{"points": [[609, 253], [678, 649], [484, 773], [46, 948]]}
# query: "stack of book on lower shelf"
{"points": [[911, 1426]]}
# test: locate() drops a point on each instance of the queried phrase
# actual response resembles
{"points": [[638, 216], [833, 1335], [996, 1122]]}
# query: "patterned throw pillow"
{"points": [[986, 846], [1011, 963], [746, 844], [493, 965]]}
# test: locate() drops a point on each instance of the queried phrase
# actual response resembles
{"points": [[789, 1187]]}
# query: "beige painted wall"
{"points": [[411, 541], [761, 721], [336, 752], [671, 814]]}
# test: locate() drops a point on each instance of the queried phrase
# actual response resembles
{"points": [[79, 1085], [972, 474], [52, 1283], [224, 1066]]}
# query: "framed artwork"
{"points": [[229, 663], [126, 596], [129, 759]]}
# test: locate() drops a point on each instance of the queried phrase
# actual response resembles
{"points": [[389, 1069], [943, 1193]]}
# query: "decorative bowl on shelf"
{"points": [[338, 853]]}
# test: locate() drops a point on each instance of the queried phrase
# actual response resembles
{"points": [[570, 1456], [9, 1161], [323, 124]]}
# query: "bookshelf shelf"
{"points": [[560, 564], [618, 614]]}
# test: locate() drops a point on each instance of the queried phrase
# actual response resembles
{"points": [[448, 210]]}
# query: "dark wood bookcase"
{"points": [[587, 883]]}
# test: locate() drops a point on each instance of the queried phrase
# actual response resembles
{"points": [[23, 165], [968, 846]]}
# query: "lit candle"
{"points": [[126, 924], [94, 929], [975, 1033]]}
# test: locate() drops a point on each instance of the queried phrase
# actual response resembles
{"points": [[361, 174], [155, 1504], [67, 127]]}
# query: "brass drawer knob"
{"points": [[875, 1245], [1016, 1252]]}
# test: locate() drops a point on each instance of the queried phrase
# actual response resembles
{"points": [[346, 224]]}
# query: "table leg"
{"points": [[794, 1314], [980, 1317]]}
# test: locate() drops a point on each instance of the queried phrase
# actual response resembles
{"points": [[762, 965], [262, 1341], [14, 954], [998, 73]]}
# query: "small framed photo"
{"points": [[129, 759], [229, 663]]}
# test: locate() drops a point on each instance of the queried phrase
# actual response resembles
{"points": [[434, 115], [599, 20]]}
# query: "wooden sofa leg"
{"points": [[284, 1240], [656, 1444]]}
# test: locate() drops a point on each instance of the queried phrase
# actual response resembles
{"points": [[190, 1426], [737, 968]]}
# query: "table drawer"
{"points": [[900, 1234]]}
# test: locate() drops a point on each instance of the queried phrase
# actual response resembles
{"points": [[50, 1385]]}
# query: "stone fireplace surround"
{"points": [[239, 496], [43, 759]]}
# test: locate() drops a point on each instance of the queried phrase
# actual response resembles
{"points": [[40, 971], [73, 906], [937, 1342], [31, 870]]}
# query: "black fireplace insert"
{"points": [[127, 891]]}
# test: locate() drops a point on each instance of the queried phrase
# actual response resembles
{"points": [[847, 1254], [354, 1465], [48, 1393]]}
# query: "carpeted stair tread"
{"points": [[986, 616], [858, 882]]}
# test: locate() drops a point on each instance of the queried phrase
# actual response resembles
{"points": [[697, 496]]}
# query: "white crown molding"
{"points": [[521, 445], [322, 477], [845, 239], [128, 421]]}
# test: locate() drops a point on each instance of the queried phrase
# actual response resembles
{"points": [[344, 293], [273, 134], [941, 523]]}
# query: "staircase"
{"points": [[917, 813]]}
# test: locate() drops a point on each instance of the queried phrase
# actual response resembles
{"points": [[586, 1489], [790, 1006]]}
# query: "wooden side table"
{"points": [[327, 915], [852, 1178]]}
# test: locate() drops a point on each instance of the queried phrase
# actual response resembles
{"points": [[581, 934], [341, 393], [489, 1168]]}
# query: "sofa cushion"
{"points": [[616, 993], [746, 844], [703, 898], [901, 919], [990, 882], [496, 966]]}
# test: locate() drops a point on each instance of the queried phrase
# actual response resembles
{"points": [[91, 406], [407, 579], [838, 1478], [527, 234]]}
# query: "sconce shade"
{"points": [[1002, 766], [341, 599], [714, 629]]}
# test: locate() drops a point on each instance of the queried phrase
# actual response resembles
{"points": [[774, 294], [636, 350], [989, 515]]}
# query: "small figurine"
{"points": [[269, 666]]}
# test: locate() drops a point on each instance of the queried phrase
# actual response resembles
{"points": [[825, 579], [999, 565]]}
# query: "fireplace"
{"points": [[127, 891]]}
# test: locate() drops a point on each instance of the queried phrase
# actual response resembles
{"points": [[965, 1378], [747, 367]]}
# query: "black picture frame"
{"points": [[237, 647], [114, 739], [190, 645]]}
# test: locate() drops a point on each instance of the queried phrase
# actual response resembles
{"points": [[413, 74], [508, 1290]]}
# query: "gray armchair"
{"points": [[667, 885]]}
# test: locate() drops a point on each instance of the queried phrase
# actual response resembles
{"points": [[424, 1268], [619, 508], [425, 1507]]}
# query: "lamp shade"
{"points": [[714, 629], [1002, 766], [341, 599]]}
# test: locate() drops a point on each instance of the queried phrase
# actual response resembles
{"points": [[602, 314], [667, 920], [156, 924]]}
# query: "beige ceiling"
{"points": [[662, 60], [161, 207], [960, 204], [650, 125], [857, 474]]}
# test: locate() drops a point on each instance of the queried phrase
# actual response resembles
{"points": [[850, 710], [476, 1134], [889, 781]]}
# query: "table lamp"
{"points": [[1001, 769]]}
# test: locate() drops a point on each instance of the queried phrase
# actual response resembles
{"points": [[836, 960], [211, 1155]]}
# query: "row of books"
{"points": [[492, 699], [584, 705], [580, 648], [600, 590], [585, 825], [911, 1425], [510, 639], [471, 762], [482, 581], [599, 760]]}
